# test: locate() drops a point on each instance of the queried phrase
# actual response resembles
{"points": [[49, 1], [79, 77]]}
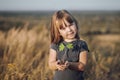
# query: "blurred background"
{"points": [[25, 41]]}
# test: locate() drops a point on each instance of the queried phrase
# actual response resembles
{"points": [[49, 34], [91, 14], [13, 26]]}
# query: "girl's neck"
{"points": [[70, 40]]}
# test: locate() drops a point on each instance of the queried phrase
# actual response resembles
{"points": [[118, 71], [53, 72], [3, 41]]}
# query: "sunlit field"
{"points": [[25, 41]]}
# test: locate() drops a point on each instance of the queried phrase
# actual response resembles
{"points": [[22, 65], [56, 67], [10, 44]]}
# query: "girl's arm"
{"points": [[53, 64], [82, 62], [52, 59]]}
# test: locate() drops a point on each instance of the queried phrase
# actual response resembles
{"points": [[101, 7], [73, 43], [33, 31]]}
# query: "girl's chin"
{"points": [[71, 36]]}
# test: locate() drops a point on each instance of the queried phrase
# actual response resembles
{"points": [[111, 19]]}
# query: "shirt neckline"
{"points": [[74, 41]]}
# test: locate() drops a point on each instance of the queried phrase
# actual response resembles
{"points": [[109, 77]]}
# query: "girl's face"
{"points": [[68, 31]]}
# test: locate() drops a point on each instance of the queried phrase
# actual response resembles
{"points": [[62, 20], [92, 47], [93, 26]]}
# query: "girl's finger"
{"points": [[67, 63]]}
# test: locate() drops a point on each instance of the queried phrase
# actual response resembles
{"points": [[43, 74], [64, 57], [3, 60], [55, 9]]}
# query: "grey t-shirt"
{"points": [[72, 55]]}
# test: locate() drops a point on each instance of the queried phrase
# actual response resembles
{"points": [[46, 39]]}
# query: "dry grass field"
{"points": [[25, 41]]}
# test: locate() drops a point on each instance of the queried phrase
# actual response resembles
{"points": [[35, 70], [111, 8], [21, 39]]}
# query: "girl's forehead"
{"points": [[62, 23]]}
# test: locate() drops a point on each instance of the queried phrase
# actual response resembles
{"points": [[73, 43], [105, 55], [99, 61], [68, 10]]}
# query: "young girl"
{"points": [[68, 54]]}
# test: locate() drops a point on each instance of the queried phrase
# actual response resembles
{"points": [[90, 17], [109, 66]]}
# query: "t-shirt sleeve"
{"points": [[53, 46], [84, 46]]}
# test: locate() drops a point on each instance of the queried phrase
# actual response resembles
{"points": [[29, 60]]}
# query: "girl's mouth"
{"points": [[70, 33]]}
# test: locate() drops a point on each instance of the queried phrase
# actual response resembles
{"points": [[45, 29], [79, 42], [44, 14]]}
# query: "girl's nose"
{"points": [[68, 29]]}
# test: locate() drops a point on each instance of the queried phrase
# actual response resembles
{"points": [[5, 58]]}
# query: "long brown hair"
{"points": [[56, 22]]}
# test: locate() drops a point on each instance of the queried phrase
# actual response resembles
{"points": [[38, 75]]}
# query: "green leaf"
{"points": [[70, 46], [61, 47]]}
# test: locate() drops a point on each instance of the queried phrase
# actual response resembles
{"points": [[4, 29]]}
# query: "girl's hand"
{"points": [[62, 66]]}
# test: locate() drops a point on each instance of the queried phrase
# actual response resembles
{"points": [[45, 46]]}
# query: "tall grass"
{"points": [[24, 52], [24, 56], [103, 60]]}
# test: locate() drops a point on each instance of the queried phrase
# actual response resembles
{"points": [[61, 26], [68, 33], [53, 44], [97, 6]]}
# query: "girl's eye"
{"points": [[71, 24], [62, 28]]}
